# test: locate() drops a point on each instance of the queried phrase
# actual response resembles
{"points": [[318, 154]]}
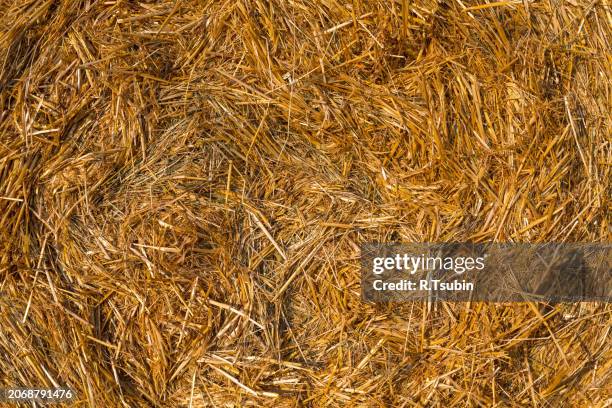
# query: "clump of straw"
{"points": [[184, 187]]}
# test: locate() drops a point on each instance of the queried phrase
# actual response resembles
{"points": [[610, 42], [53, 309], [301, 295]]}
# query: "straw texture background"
{"points": [[184, 186]]}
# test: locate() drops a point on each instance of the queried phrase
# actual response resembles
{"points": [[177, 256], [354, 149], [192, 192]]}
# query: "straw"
{"points": [[184, 187]]}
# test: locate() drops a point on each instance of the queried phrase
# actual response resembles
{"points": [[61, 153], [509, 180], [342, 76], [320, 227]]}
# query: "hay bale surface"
{"points": [[184, 187]]}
